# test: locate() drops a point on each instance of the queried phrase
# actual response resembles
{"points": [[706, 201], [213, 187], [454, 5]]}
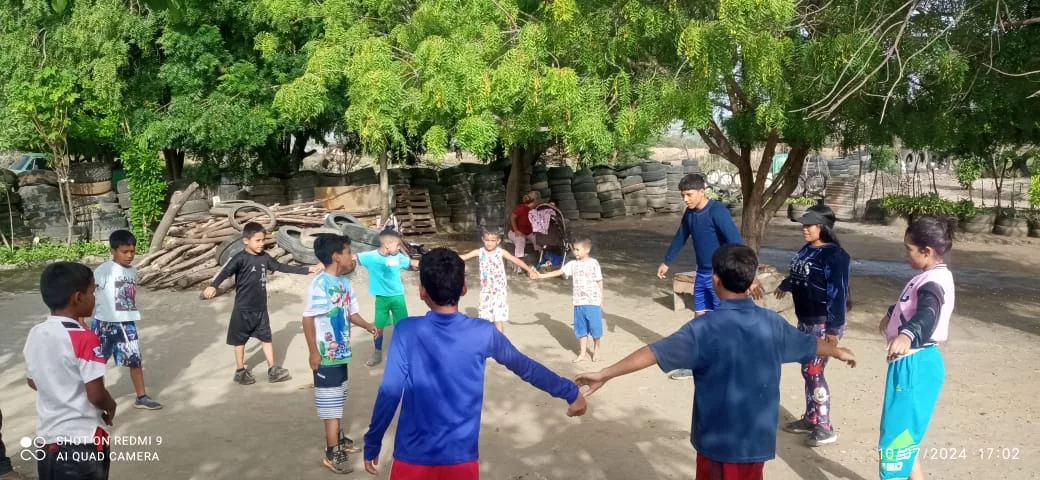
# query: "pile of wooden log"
{"points": [[186, 249]]}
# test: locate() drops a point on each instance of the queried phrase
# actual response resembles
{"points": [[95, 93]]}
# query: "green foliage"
{"points": [[968, 170], [1034, 191], [930, 204], [882, 158], [144, 172], [45, 252], [807, 201], [965, 209]]}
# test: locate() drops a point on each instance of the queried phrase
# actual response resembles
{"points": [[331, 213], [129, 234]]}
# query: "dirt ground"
{"points": [[637, 426]]}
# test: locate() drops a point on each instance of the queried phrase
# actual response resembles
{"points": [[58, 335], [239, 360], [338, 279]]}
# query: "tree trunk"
{"points": [[763, 201], [384, 188], [174, 163]]}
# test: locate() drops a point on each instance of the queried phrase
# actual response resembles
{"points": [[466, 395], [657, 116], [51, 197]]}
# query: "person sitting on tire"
{"points": [[384, 283], [249, 318]]}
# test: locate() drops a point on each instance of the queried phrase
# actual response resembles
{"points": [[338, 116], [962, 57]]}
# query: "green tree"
{"points": [[478, 75]]}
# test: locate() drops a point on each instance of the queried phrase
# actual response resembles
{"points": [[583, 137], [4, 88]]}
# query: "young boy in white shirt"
{"points": [[116, 314]]}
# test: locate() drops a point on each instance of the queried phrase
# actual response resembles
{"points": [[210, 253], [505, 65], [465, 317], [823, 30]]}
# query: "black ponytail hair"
{"points": [[932, 231]]}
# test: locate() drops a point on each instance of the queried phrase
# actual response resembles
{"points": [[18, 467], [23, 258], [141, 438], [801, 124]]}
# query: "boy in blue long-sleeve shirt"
{"points": [[435, 370], [710, 225]]}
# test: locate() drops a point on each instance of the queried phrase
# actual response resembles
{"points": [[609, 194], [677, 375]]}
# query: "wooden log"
{"points": [[197, 241], [175, 207], [169, 256], [193, 275]]}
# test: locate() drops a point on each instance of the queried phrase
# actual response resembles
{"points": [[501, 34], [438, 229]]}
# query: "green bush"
{"points": [[1034, 191], [965, 209], [807, 201], [45, 252], [930, 204]]}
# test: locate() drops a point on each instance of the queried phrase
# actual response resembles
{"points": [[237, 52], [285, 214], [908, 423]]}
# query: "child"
{"points": [[435, 370], [384, 282], [116, 314], [735, 353], [914, 327], [249, 317], [493, 305], [588, 296], [330, 303], [819, 283], [709, 225], [65, 367]]}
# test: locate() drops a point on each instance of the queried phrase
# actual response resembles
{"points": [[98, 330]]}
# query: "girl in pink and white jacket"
{"points": [[914, 327]]}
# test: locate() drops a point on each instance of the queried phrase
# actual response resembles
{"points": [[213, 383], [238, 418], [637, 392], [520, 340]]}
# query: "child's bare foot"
{"points": [[580, 358], [592, 355]]}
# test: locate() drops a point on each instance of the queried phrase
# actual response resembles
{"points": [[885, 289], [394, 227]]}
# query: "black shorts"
{"points": [[81, 462], [245, 324]]}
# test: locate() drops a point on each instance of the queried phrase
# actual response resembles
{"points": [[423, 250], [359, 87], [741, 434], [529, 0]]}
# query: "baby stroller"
{"points": [[555, 242]]}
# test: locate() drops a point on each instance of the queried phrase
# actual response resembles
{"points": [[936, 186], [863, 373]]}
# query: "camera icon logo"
{"points": [[32, 449]]}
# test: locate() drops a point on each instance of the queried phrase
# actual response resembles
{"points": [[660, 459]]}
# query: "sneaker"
{"points": [[681, 374], [375, 359], [244, 377], [799, 426], [277, 374], [821, 436], [145, 402], [337, 461], [347, 444]]}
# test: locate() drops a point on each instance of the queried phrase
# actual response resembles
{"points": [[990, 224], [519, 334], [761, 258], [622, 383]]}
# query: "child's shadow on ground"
{"points": [[562, 332], [281, 340]]}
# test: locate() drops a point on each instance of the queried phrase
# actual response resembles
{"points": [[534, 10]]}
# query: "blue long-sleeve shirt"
{"points": [[819, 285], [435, 369], [710, 227]]}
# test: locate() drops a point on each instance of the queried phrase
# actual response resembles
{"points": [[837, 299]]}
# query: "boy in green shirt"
{"points": [[384, 283]]}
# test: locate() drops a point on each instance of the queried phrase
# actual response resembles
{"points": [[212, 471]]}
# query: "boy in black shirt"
{"points": [[249, 317]]}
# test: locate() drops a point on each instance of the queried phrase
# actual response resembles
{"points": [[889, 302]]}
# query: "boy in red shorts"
{"points": [[435, 371], [735, 353]]}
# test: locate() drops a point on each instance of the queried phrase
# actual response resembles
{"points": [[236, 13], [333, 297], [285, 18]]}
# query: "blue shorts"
{"points": [[911, 390], [704, 298], [330, 390], [119, 342], [588, 320]]}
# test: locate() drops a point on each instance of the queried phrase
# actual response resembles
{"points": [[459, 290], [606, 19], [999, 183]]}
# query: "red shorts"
{"points": [[410, 471], [708, 469]]}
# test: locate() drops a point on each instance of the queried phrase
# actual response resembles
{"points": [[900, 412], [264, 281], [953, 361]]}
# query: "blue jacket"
{"points": [[711, 227], [819, 285], [435, 370]]}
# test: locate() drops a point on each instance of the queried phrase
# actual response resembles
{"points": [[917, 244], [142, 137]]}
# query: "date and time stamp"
{"points": [[954, 453]]}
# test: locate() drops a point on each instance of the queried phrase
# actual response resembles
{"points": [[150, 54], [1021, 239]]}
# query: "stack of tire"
{"points": [[365, 176], [561, 192], [654, 177], [674, 195], [11, 207], [584, 187], [95, 205], [489, 192], [457, 191], [268, 191], [330, 179], [231, 188], [399, 177], [608, 190], [123, 195], [300, 187], [633, 190], [540, 181], [41, 204], [427, 178]]}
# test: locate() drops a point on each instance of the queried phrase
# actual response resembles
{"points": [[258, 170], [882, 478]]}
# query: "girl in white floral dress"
{"points": [[493, 305]]}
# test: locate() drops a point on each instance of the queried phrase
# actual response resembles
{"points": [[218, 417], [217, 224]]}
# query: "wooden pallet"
{"points": [[414, 211]]}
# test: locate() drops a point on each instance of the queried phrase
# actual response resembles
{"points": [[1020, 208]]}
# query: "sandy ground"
{"points": [[637, 426]]}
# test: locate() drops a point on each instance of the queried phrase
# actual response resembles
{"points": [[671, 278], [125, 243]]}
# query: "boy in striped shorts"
{"points": [[331, 308]]}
